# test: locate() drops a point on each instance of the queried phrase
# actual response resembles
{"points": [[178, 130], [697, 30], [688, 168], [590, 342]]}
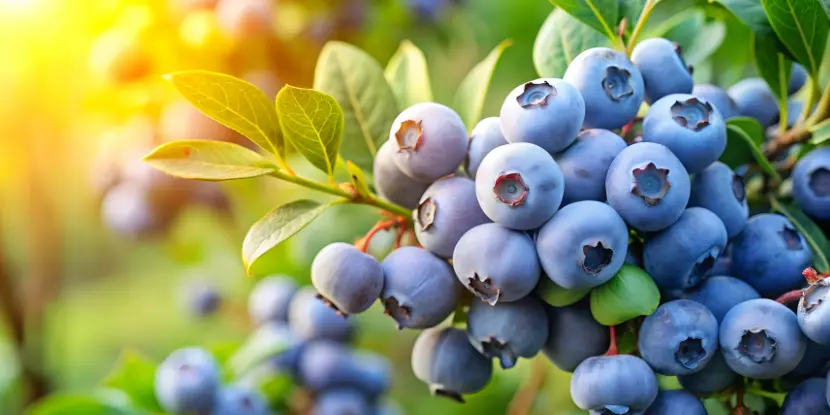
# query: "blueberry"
{"points": [[129, 210], [445, 360], [372, 373], [519, 186], [754, 99], [348, 280], [621, 385], [187, 381], [676, 402], [721, 190], [679, 338], [585, 163], [325, 365], [583, 245], [428, 10], [678, 257], [419, 288], [202, 299], [610, 84], [808, 398], [812, 364], [391, 183], [547, 112], [761, 339], [770, 254], [814, 312], [720, 293], [811, 183], [664, 71], [446, 211], [311, 319], [496, 264], [574, 336], [342, 401], [237, 400], [270, 299], [798, 77], [486, 136], [648, 186], [430, 139], [715, 377], [508, 331], [718, 98], [634, 256]]}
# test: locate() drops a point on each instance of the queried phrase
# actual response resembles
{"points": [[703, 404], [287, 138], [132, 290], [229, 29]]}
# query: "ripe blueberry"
{"points": [[348, 280], [270, 298], [720, 293], [202, 298], [311, 319], [585, 163], [574, 336], [430, 139], [341, 401], [238, 400], [721, 190], [811, 183], [486, 136], [445, 360], [676, 402], [715, 377], [187, 381], [664, 71], [718, 98], [679, 338], [812, 364], [754, 99], [621, 384], [808, 398], [508, 331], [446, 211], [391, 183], [814, 312]]}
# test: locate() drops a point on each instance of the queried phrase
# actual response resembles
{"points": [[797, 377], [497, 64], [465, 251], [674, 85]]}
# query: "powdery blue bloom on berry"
{"points": [[519, 186], [798, 77], [621, 384], [445, 360], [326, 365], [811, 183], [238, 400], [391, 183], [813, 363], [814, 312], [679, 338], [187, 381], [648, 186], [508, 331], [610, 84], [348, 280], [808, 398], [447, 210], [664, 71], [547, 112], [311, 319], [718, 98], [341, 401], [722, 191], [431, 141], [715, 377], [676, 402], [585, 163], [583, 245], [485, 137], [720, 293], [270, 298], [754, 99], [574, 336]]}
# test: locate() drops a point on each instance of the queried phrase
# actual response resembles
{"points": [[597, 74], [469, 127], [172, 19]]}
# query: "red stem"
{"points": [[399, 238], [396, 221], [790, 297], [612, 347]]}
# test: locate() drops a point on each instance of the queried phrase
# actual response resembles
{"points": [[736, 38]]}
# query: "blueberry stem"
{"points": [[641, 23], [612, 346], [778, 397], [363, 243], [462, 308], [804, 131], [790, 297], [813, 276], [522, 402]]}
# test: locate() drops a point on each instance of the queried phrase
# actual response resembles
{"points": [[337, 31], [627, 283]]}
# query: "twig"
{"points": [[399, 221], [790, 297], [613, 350], [522, 402]]}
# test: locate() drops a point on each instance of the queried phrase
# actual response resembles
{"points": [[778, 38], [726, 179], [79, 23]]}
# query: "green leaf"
{"points": [[630, 10], [267, 341], [134, 374], [277, 226], [708, 40], [802, 28], [773, 66], [208, 160], [820, 134], [752, 13], [472, 92], [630, 293], [358, 180], [75, 404], [313, 123], [408, 75], [811, 232], [602, 15], [277, 390], [751, 127], [560, 40], [737, 141], [237, 104], [557, 296], [356, 81], [730, 61]]}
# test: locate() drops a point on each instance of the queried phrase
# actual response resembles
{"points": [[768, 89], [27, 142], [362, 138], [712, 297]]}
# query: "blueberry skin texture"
{"points": [[770, 254], [203, 299], [443, 358], [812, 364], [814, 312], [696, 145], [603, 109], [679, 338], [507, 331], [808, 398], [636, 208], [547, 112], [754, 99], [798, 77], [720, 190], [634, 256], [663, 69], [187, 381], [447, 210], [270, 298], [717, 97], [585, 163], [720, 293], [326, 365], [811, 183], [485, 137], [715, 377], [761, 339], [678, 257], [508, 170], [341, 401], [676, 402], [391, 183], [311, 319], [574, 336], [348, 279], [497, 264], [237, 400], [616, 384], [430, 139], [569, 248], [420, 290]]}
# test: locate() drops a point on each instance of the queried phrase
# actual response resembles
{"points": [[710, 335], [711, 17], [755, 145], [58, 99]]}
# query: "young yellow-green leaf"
{"points": [[134, 375], [235, 103], [557, 296], [820, 134], [472, 92], [208, 160], [602, 15], [313, 123], [560, 40], [266, 342], [358, 180], [277, 226], [356, 81], [74, 404], [802, 27], [630, 293], [811, 232], [740, 140], [408, 75], [773, 66]]}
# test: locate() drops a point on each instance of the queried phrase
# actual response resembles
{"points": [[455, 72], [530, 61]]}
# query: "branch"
{"points": [[522, 402]]}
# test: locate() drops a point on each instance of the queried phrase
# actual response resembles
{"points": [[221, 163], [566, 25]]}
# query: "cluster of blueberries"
{"points": [[551, 197], [316, 355]]}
